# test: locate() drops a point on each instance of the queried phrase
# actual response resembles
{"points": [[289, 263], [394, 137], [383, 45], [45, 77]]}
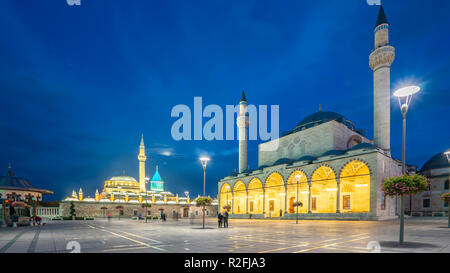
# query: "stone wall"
{"points": [[94, 209], [313, 141]]}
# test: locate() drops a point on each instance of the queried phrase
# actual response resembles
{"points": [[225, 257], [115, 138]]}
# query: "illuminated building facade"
{"points": [[324, 162], [131, 194]]}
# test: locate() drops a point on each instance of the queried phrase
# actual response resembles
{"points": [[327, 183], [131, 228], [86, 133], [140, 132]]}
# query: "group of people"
{"points": [[223, 219]]}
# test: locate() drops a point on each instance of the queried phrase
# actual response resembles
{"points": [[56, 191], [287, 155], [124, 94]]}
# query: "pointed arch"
{"points": [[303, 191], [255, 196], [355, 187], [275, 195], [225, 196], [323, 190], [239, 198]]}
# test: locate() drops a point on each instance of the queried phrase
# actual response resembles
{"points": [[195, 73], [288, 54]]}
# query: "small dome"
{"points": [[333, 153], [123, 178], [436, 162], [319, 118]]}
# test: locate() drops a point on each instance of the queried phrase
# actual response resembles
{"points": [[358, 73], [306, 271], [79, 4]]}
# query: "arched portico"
{"points": [[355, 187], [240, 198], [323, 190], [226, 196], [303, 192], [255, 196], [275, 195]]}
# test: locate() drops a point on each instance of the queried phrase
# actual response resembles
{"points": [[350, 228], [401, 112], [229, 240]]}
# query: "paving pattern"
{"points": [[243, 236]]}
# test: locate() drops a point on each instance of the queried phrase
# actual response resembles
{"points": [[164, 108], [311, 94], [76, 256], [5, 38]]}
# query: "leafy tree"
{"points": [[72, 210]]}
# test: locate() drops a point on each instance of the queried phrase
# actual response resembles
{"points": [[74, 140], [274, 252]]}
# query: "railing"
{"points": [[47, 212]]}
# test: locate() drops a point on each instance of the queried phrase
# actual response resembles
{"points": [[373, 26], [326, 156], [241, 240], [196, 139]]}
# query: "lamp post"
{"points": [[447, 154], [204, 161], [404, 96], [297, 178]]}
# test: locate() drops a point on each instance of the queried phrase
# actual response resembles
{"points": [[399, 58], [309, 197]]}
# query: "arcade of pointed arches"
{"points": [[323, 193]]}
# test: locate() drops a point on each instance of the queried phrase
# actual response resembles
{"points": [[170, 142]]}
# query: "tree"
{"points": [[405, 185], [72, 210], [146, 206]]}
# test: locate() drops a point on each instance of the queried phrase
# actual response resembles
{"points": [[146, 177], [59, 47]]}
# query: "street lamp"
{"points": [[404, 96], [297, 178], [204, 161], [447, 154]]}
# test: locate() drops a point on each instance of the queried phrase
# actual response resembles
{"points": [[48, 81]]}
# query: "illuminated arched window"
{"points": [[355, 187], [255, 197], [240, 198], [275, 195], [323, 191], [303, 192]]}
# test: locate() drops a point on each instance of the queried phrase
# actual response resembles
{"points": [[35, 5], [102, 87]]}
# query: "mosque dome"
{"points": [[436, 162], [123, 178], [320, 118]]}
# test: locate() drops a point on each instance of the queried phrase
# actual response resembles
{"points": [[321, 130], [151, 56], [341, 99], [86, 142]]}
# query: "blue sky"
{"points": [[80, 84]]}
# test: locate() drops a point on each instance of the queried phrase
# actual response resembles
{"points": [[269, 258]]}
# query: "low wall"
{"points": [[94, 209]]}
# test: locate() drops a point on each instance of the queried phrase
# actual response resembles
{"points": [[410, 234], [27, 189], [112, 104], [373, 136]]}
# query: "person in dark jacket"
{"points": [[225, 219], [220, 218]]}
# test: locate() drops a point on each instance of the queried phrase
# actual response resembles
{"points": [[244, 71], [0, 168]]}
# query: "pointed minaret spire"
{"points": [[243, 98], [142, 140], [9, 172], [142, 158], [381, 17]]}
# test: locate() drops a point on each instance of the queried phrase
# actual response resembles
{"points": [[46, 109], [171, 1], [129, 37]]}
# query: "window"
{"points": [[251, 206], [383, 201], [346, 201], [271, 205], [445, 204], [314, 203], [135, 212], [446, 186], [196, 212], [207, 212], [426, 203]]}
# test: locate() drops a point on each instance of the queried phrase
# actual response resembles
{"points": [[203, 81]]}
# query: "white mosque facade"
{"points": [[324, 165]]}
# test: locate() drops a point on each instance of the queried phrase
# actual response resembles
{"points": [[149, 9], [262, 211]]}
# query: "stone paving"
{"points": [[243, 236]]}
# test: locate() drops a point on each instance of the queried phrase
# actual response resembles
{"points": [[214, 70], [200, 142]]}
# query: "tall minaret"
{"points": [[381, 60], [142, 158], [242, 123]]}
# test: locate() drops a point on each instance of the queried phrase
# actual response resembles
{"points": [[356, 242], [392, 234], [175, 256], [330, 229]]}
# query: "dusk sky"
{"points": [[80, 84]]}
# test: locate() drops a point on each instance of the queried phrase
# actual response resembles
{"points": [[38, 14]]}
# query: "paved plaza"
{"points": [[255, 236]]}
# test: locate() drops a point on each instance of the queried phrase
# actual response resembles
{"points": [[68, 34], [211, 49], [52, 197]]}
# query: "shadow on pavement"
{"points": [[406, 245]]}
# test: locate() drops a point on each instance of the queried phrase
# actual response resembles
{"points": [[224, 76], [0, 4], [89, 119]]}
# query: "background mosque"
{"points": [[126, 189], [325, 162]]}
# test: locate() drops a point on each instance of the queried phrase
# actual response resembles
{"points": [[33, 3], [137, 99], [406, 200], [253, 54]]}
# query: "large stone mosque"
{"points": [[336, 171]]}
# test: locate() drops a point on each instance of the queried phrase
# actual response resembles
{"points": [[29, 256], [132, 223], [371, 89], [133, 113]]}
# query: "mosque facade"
{"points": [[325, 166]]}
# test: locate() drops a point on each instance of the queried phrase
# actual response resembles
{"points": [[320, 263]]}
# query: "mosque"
{"points": [[125, 195], [325, 164], [124, 188]]}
